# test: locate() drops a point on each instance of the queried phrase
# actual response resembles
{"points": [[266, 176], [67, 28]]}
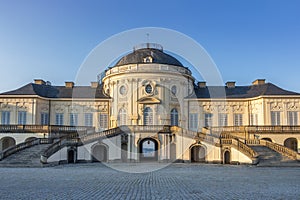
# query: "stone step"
{"points": [[269, 157], [29, 157]]}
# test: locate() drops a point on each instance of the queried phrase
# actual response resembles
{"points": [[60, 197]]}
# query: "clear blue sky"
{"points": [[246, 39]]}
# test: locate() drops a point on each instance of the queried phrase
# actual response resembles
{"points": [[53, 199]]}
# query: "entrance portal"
{"points": [[148, 150], [226, 157], [99, 153], [291, 143], [198, 153], [71, 156]]}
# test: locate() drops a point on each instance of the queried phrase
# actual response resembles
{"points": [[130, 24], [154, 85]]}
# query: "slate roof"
{"points": [[240, 91], [158, 56], [49, 91]]}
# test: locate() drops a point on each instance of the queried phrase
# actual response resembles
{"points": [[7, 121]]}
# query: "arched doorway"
{"points": [[99, 153], [226, 157], [267, 139], [198, 153], [7, 142], [71, 156], [291, 143], [148, 149], [29, 139]]}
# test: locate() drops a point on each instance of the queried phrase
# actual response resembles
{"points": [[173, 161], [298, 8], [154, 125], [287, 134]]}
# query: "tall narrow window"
{"points": [[238, 119], [59, 119], [148, 116], [292, 118], [44, 118], [88, 119], [253, 119], [223, 119], [103, 120], [5, 117], [208, 119], [193, 121], [122, 117], [22, 115], [275, 118], [174, 117], [73, 119]]}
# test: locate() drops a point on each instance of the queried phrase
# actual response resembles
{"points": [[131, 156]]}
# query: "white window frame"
{"points": [[292, 118], [238, 119], [208, 119], [44, 118], [59, 119], [193, 121], [73, 119], [174, 117], [275, 118], [103, 120], [5, 117], [222, 119], [22, 117], [88, 119]]}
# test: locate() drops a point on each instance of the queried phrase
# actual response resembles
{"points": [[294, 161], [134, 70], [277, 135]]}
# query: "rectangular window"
{"points": [[5, 117], [44, 118], [208, 117], [59, 119], [22, 117], [275, 118], [193, 121], [238, 119], [73, 119], [103, 120], [253, 119], [88, 119], [223, 119], [292, 118]]}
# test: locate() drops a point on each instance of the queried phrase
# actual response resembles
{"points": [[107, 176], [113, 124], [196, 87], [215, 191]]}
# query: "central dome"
{"points": [[148, 55]]}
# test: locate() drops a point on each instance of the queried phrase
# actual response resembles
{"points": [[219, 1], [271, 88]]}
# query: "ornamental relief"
{"points": [[223, 108], [276, 106], [5, 106], [59, 108], [102, 108], [209, 108], [292, 106], [238, 108]]}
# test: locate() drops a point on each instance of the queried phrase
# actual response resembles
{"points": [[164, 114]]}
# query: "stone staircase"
{"points": [[269, 157], [29, 157]]}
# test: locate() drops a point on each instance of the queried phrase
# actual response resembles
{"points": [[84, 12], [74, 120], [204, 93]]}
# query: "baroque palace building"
{"points": [[149, 107]]}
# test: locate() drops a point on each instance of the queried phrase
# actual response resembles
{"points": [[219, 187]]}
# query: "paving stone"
{"points": [[177, 181]]}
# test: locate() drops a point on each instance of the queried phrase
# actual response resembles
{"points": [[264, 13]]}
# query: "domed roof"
{"points": [[148, 55]]}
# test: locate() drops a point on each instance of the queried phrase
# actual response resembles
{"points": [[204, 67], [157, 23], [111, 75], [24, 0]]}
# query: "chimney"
{"points": [[39, 81], [259, 82], [94, 84], [202, 84], [69, 84], [230, 84]]}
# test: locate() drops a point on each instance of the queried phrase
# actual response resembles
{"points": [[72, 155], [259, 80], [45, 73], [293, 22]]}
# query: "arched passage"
{"points": [[198, 153], [267, 139], [99, 153], [291, 143], [226, 159], [7, 142], [71, 156], [148, 149], [29, 139]]}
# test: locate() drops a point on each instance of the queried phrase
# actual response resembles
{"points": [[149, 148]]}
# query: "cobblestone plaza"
{"points": [[176, 181]]}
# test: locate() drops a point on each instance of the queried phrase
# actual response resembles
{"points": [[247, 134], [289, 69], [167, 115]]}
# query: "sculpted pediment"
{"points": [[148, 100]]}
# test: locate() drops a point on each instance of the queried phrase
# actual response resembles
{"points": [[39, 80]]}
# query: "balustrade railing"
{"points": [[11, 150], [254, 129]]}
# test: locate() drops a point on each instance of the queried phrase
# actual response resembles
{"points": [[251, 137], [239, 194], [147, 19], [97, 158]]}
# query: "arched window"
{"points": [[174, 117], [122, 117], [148, 116]]}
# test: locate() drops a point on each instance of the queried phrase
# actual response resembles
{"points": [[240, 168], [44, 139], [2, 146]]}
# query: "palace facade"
{"points": [[149, 107]]}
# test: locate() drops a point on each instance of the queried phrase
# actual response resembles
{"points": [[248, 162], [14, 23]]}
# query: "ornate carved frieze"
{"points": [[276, 106]]}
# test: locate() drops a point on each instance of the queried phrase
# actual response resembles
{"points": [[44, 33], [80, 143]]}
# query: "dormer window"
{"points": [[148, 59]]}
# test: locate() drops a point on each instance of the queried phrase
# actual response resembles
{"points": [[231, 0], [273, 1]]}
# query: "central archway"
{"points": [[148, 150], [198, 153], [291, 143], [7, 142], [99, 153]]}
